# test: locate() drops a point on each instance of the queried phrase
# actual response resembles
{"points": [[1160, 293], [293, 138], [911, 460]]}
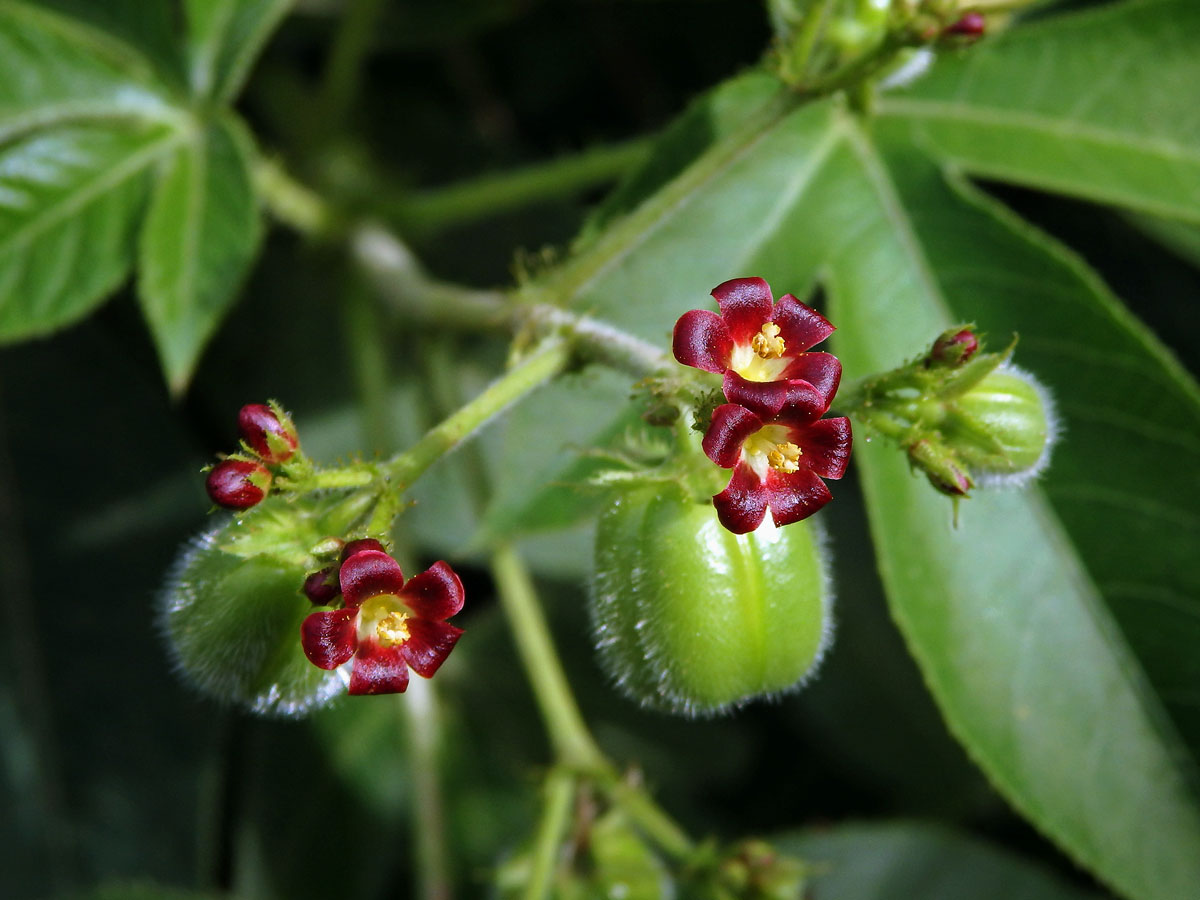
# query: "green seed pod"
{"points": [[233, 624], [691, 618], [1002, 429], [233, 603]]}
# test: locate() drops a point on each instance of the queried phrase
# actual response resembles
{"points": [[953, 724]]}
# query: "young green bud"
{"points": [[692, 618], [1003, 428]]}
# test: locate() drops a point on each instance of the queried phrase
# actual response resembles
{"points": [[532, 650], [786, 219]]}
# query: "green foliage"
{"points": [[1055, 627], [85, 120], [881, 862], [200, 235]]}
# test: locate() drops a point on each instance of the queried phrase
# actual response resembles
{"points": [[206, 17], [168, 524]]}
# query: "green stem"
{"points": [[651, 820], [364, 334], [573, 744], [420, 708], [559, 789], [489, 195], [548, 360], [342, 71], [806, 40]]}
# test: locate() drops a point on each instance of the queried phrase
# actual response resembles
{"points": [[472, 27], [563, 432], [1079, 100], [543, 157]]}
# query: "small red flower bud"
{"points": [[266, 433], [953, 348], [361, 544], [971, 25], [322, 586], [943, 472], [238, 483]]}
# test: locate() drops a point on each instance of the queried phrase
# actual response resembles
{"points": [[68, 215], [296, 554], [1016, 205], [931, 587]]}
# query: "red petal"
{"points": [[731, 424], [701, 340], [369, 573], [329, 637], [795, 496], [743, 503], [745, 305], [429, 645], [378, 670], [826, 446], [800, 326], [435, 594], [767, 398], [822, 370]]}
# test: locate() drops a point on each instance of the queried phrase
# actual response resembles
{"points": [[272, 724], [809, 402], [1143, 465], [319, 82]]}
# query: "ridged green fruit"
{"points": [[232, 605], [691, 618], [1003, 427]]}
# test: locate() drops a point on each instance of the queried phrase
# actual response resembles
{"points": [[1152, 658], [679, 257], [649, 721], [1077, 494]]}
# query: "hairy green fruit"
{"points": [[1003, 428], [233, 603], [692, 618]]}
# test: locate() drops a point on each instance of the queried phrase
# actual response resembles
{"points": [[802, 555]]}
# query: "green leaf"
{"points": [[224, 39], [1182, 238], [1097, 104], [545, 488], [198, 241], [54, 69], [1030, 667], [70, 199], [1008, 625], [901, 859], [1007, 277]]}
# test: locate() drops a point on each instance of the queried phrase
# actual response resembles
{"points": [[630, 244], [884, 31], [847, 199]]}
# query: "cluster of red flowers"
{"points": [[385, 624], [771, 432], [268, 439]]}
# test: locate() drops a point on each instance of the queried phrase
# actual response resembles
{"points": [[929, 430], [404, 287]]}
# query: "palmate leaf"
{"points": [[1040, 666], [224, 39], [1100, 104], [199, 238], [70, 200], [54, 68]]}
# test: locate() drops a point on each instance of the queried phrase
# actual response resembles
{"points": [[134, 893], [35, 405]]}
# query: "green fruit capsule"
{"points": [[1003, 428], [694, 619]]}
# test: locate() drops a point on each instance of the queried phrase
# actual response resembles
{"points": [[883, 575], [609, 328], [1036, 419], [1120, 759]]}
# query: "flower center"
{"points": [[392, 629], [785, 457], [763, 358], [385, 620], [769, 448], [767, 343]]}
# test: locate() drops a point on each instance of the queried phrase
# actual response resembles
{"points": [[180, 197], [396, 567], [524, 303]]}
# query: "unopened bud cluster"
{"points": [[964, 417], [270, 445]]}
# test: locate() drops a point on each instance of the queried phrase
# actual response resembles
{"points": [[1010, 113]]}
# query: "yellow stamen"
{"points": [[767, 343], [785, 457], [392, 629]]}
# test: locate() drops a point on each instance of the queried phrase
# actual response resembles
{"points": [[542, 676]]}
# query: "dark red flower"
{"points": [[387, 625], [778, 463], [237, 483], [268, 431], [760, 347]]}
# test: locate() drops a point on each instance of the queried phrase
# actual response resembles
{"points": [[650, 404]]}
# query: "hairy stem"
{"points": [[488, 195], [549, 359]]}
